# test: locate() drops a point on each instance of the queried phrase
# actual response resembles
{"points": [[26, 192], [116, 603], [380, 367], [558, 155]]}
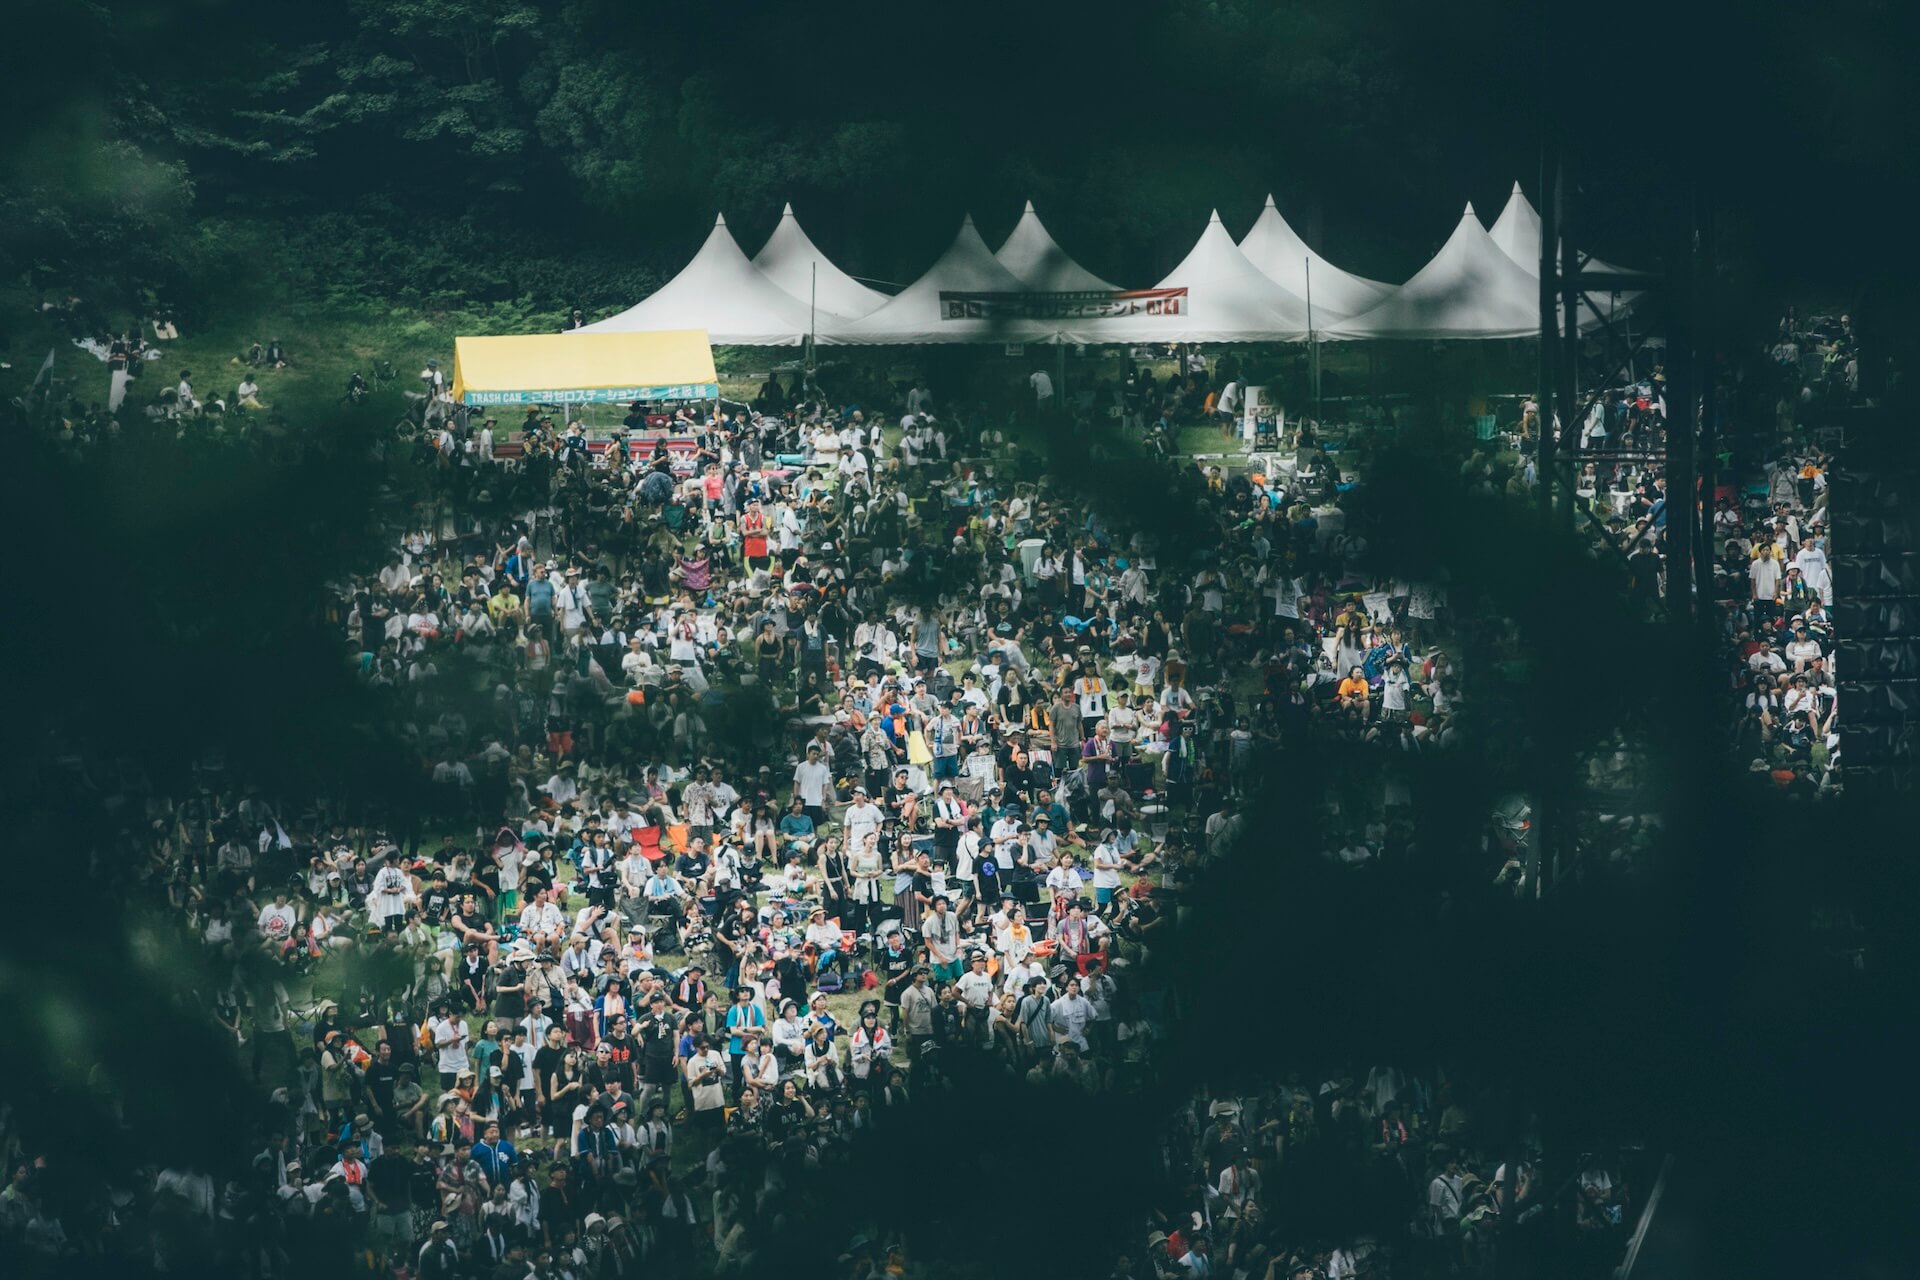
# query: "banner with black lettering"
{"points": [[1089, 304]]}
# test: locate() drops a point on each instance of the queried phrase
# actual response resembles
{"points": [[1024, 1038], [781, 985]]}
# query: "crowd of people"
{"points": [[1772, 567], [824, 759]]}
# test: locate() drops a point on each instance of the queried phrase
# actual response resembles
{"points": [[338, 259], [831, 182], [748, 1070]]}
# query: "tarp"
{"points": [[791, 261], [1517, 232], [1470, 290], [914, 316], [1228, 300], [584, 368], [1042, 265], [1285, 259], [722, 293]]}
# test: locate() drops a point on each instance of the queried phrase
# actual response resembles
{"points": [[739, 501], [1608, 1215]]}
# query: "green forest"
{"points": [[515, 158]]}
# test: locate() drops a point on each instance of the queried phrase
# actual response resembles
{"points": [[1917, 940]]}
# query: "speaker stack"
{"points": [[1874, 515]]}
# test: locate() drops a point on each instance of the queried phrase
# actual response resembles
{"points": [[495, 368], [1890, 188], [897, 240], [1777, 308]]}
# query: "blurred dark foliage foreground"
{"points": [[169, 601], [1690, 1005]]}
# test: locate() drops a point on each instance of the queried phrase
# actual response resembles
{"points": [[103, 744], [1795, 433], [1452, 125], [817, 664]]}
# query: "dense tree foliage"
{"points": [[558, 121]]}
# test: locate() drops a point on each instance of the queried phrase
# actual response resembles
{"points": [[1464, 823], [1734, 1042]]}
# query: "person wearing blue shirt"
{"points": [[597, 1149], [540, 599], [1056, 813], [495, 1156], [743, 1017], [818, 1015], [796, 824], [518, 568]]}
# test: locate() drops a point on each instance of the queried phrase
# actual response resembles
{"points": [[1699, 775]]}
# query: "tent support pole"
{"points": [[1569, 333], [1549, 333], [1060, 366], [1313, 342], [1682, 416], [1706, 458]]}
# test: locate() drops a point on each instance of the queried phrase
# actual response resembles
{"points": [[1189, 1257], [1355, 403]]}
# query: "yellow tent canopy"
{"points": [[584, 368]]}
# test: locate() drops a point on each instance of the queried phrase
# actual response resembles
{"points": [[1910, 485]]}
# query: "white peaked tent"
{"points": [[1041, 264], [790, 260], [1470, 290], [1283, 257], [721, 292], [1517, 232], [913, 316], [1228, 300]]}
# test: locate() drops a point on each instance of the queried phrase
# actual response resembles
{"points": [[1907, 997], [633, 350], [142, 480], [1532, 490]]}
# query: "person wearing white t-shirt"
{"points": [[636, 663], [813, 783], [277, 920], [1042, 390], [1106, 870], [1146, 674], [966, 854], [1393, 689], [1070, 1015], [1800, 698], [976, 993], [1802, 649], [1123, 725], [450, 1038], [862, 817], [1229, 402]]}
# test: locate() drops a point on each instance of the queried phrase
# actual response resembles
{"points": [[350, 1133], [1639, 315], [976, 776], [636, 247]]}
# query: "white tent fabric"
{"points": [[913, 317], [1470, 290], [1517, 232], [721, 292], [790, 260], [1228, 300], [1284, 258], [1041, 264]]}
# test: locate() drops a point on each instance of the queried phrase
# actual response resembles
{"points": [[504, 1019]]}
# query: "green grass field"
{"points": [[325, 347]]}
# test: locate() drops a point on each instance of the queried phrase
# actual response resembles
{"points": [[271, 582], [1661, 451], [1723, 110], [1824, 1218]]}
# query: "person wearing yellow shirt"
{"points": [[504, 607], [1352, 695]]}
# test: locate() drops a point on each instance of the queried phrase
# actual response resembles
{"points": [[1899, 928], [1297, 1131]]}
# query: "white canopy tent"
{"points": [[1517, 232], [791, 261], [723, 293], [1470, 290], [914, 315], [1228, 300], [1041, 264], [1284, 258]]}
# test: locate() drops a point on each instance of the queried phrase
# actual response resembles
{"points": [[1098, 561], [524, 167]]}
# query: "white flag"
{"points": [[46, 368], [280, 836]]}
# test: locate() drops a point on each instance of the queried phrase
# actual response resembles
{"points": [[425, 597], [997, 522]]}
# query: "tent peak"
{"points": [[719, 219], [1029, 208], [1469, 212], [1215, 216], [786, 210], [1516, 188], [967, 221], [1270, 204]]}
